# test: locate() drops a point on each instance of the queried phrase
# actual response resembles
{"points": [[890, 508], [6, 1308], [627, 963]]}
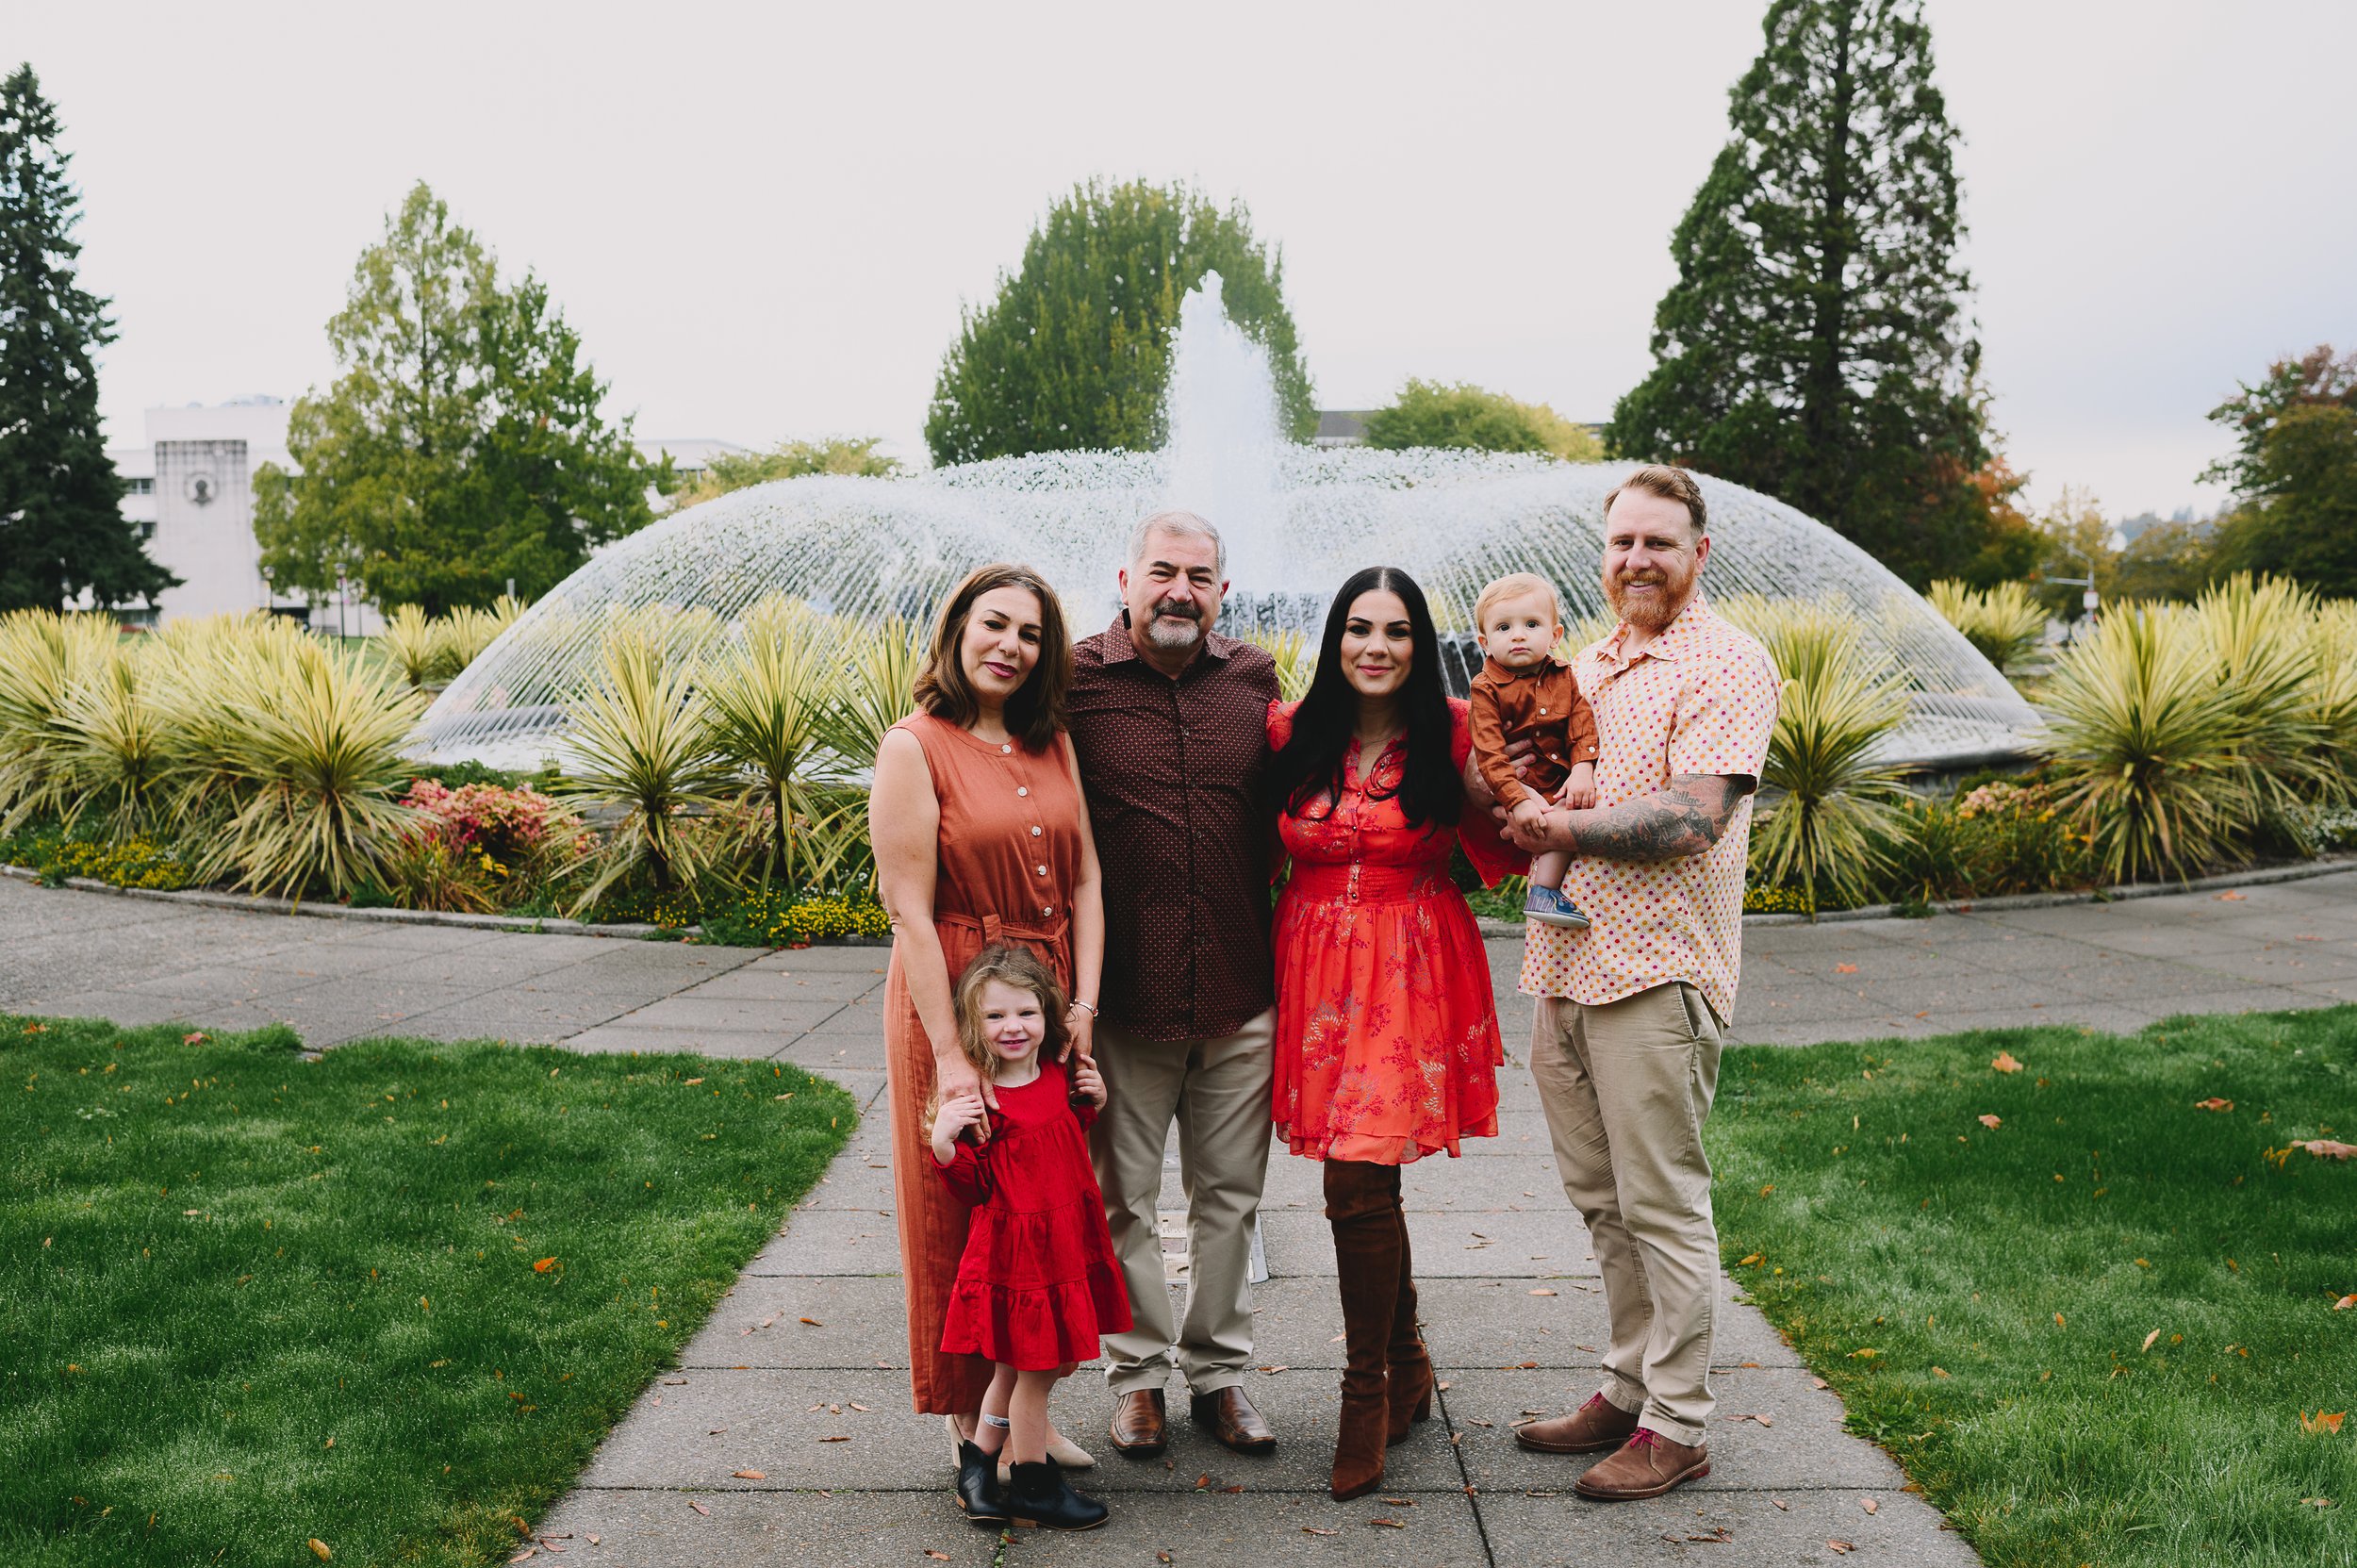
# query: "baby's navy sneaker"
{"points": [[1549, 907]]}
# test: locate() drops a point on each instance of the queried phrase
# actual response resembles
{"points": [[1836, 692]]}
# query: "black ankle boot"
{"points": [[978, 1487], [1041, 1496]]}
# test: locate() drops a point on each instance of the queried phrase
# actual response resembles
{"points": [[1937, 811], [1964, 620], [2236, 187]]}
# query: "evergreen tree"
{"points": [[1075, 352], [61, 524], [1815, 344], [462, 446]]}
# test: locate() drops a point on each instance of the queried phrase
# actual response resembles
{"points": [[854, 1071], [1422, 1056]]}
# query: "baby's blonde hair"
{"points": [[1513, 586], [1010, 966]]}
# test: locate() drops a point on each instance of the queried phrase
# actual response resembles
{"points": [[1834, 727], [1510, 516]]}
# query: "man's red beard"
{"points": [[1649, 612]]}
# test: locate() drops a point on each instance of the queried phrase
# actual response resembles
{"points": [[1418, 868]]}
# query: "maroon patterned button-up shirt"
{"points": [[1173, 769]]}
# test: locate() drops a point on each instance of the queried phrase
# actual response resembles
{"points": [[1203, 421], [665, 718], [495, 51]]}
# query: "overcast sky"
{"points": [[764, 218]]}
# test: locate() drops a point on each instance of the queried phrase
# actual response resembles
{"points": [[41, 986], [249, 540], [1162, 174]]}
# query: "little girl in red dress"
{"points": [[1039, 1283]]}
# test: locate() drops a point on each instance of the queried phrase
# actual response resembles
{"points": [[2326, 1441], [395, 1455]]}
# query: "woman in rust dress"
{"points": [[981, 836], [1387, 1037]]}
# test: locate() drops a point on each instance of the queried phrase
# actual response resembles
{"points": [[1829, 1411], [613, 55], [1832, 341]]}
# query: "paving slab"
{"points": [[1738, 1530]]}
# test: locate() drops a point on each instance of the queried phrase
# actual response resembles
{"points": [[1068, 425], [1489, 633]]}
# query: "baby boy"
{"points": [[1524, 693]]}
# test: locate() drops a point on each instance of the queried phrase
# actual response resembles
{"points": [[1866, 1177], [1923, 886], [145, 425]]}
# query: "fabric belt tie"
{"points": [[1050, 941]]}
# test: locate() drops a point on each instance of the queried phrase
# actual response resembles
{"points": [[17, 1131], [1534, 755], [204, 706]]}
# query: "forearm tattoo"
{"points": [[1683, 819]]}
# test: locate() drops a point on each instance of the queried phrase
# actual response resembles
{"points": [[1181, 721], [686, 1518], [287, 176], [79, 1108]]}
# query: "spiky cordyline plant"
{"points": [[2263, 635], [301, 749], [417, 645], [641, 742], [768, 697], [878, 687], [115, 754], [42, 657], [2143, 736], [1835, 806], [1296, 661], [2003, 622]]}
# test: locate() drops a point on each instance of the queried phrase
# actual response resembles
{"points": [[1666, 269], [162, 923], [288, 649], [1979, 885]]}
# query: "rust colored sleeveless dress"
{"points": [[1009, 855]]}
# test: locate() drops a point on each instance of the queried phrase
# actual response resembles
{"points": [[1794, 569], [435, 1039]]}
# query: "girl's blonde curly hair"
{"points": [[1012, 965]]}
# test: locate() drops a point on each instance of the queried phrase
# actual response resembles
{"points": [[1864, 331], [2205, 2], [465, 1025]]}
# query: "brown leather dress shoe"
{"points": [[1140, 1430], [1647, 1465], [1593, 1427], [1228, 1415]]}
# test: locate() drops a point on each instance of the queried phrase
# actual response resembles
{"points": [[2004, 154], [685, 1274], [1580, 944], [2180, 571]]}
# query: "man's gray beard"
{"points": [[1170, 634]]}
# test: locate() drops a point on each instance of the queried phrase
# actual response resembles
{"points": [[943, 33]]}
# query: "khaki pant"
{"points": [[1625, 1087], [1218, 1093]]}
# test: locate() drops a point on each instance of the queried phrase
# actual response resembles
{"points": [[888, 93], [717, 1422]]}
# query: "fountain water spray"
{"points": [[1297, 520]]}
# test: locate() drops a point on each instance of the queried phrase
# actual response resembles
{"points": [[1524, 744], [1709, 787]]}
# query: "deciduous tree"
{"points": [[462, 447], [62, 527], [1074, 351], [1431, 414], [2294, 472]]}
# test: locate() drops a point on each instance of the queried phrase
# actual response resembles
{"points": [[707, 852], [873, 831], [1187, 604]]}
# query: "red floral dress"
{"points": [[1038, 1285], [1387, 1033]]}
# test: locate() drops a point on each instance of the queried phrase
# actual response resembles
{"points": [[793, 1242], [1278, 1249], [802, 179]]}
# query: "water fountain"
{"points": [[1298, 521]]}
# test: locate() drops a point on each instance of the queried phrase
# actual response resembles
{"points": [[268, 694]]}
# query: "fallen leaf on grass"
{"points": [[1755, 1258], [198, 1038], [2327, 1424], [694, 1081], [1866, 1355], [2327, 1148], [2149, 1340], [750, 1475], [2317, 1502], [1992, 1123], [543, 1265], [2214, 1103], [1940, 1372], [318, 1547], [2005, 1062], [2058, 1321], [2345, 1303]]}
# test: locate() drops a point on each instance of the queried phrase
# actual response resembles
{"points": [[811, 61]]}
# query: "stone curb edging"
{"points": [[2324, 867]]}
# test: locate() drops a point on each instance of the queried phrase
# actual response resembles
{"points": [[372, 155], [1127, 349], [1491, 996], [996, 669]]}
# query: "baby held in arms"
{"points": [[1524, 693]]}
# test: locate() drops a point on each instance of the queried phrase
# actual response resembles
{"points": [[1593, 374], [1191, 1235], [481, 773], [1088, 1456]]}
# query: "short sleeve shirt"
{"points": [[1701, 698]]}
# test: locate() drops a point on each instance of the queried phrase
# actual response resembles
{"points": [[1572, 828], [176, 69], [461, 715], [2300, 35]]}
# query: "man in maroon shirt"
{"points": [[1170, 723]]}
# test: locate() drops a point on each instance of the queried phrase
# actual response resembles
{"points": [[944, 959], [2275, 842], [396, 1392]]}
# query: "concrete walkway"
{"points": [[1511, 1303]]}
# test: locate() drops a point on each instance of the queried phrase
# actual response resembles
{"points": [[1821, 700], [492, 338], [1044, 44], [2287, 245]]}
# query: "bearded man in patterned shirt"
{"points": [[1630, 1011]]}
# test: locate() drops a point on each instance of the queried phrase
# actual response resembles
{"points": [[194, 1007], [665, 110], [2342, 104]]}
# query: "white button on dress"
{"points": [[1008, 747], [1022, 789], [1035, 830]]}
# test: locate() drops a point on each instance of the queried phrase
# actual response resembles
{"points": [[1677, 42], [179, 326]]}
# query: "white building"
{"points": [[191, 489], [690, 459]]}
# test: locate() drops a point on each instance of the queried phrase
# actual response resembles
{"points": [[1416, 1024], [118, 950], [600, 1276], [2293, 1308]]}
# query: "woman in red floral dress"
{"points": [[1387, 1036]]}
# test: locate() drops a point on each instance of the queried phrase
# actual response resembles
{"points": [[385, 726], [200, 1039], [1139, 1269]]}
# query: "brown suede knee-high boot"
{"points": [[1410, 1396], [1362, 1207]]}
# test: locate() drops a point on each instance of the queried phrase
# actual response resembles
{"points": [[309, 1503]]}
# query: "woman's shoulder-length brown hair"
{"points": [[1035, 713]]}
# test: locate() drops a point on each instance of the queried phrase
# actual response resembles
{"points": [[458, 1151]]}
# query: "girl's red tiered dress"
{"points": [[1386, 1035], [1039, 1284]]}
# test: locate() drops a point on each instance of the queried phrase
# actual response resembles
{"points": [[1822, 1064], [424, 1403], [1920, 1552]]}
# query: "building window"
{"points": [[143, 484], [147, 530]]}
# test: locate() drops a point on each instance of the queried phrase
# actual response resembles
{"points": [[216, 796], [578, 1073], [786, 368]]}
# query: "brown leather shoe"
{"points": [[1593, 1427], [1228, 1415], [1647, 1465], [1140, 1430]]}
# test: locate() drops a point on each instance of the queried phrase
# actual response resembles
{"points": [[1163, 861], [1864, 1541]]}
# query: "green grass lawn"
{"points": [[390, 1299], [2090, 1331]]}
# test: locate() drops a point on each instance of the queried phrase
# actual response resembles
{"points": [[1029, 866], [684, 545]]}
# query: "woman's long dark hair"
{"points": [[1310, 767]]}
